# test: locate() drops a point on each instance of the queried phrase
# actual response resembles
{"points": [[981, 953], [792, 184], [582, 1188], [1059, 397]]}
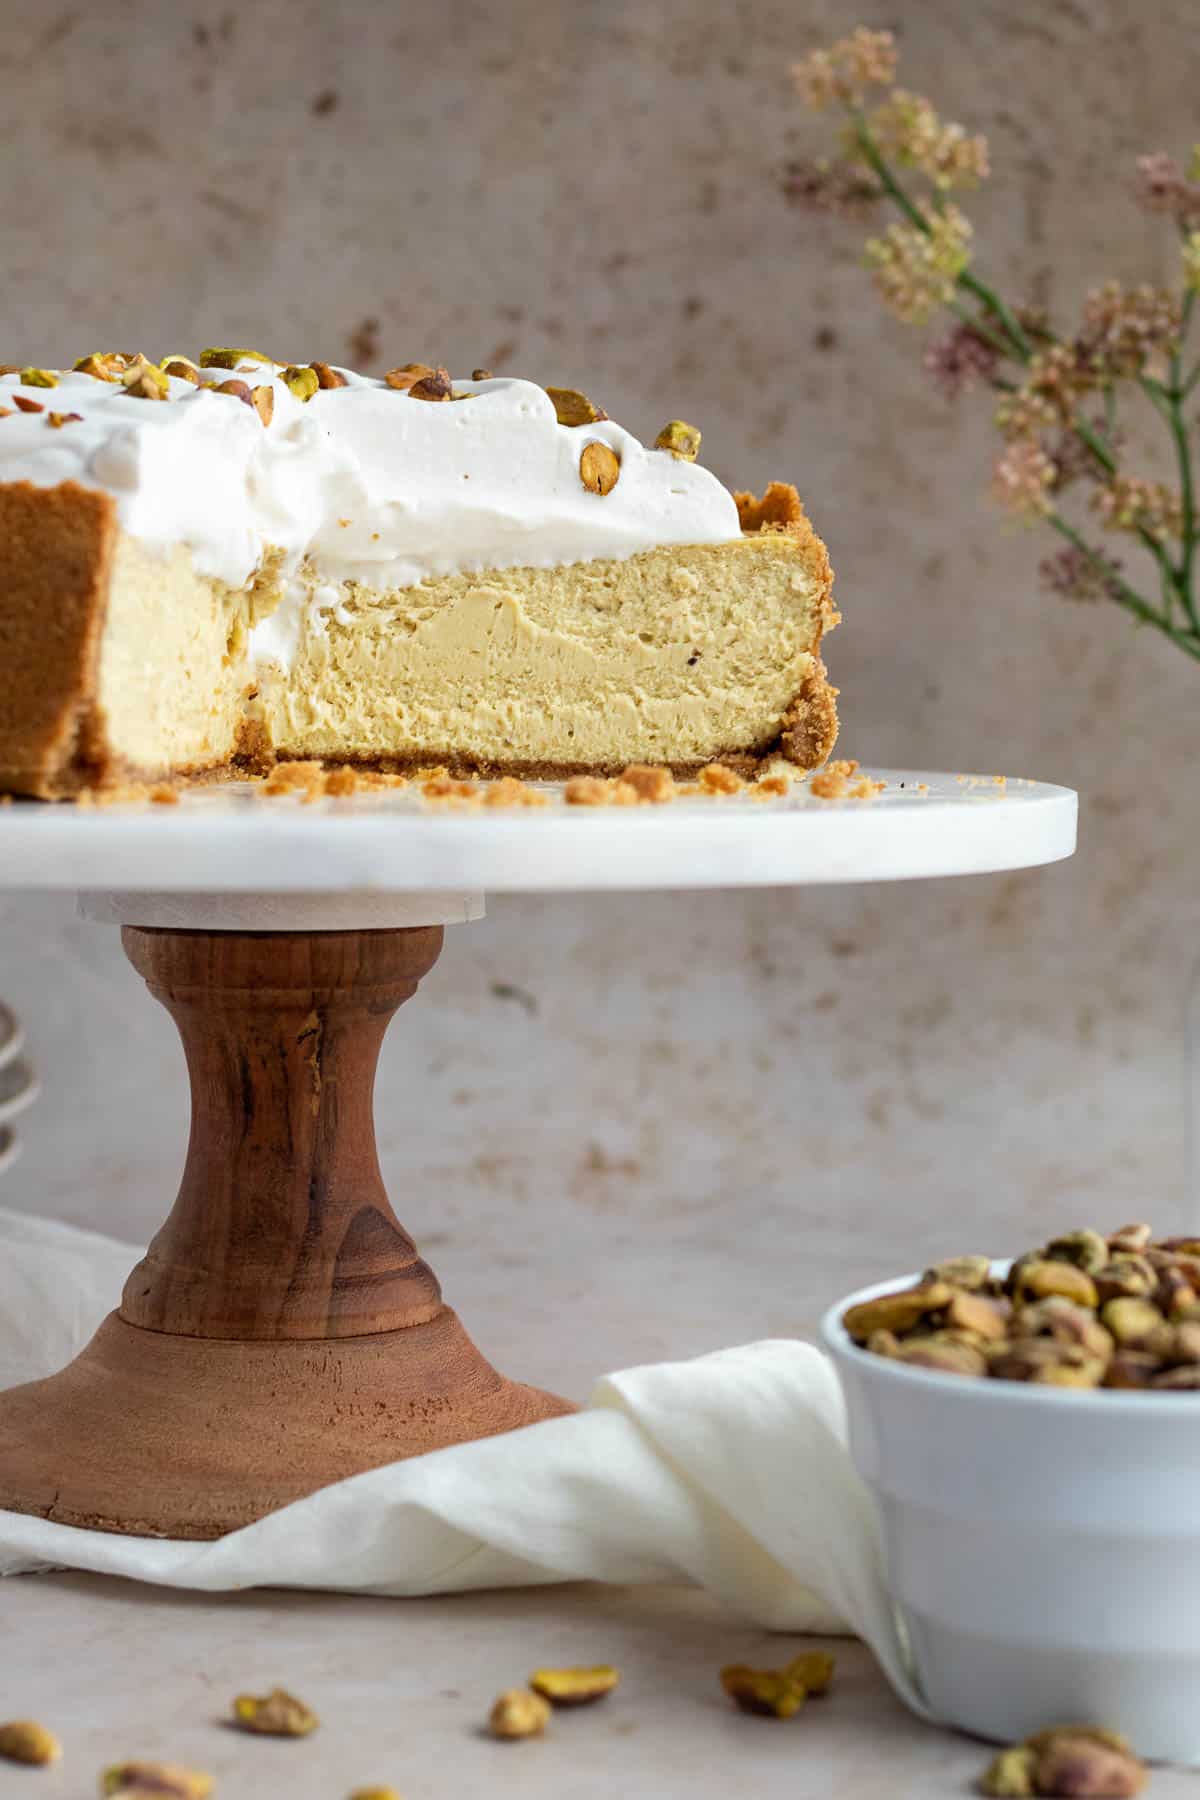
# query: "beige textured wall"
{"points": [[587, 194]]}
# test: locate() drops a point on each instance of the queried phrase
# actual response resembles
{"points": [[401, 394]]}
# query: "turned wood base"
{"points": [[281, 1332], [177, 1437]]}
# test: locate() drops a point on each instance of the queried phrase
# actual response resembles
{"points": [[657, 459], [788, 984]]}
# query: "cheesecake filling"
{"points": [[672, 655]]}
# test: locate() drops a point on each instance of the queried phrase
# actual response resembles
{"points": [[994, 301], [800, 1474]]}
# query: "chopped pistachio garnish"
{"points": [[434, 386], [182, 367], [144, 380], [302, 382], [328, 376], [229, 359], [403, 377], [599, 468], [573, 408], [239, 389], [105, 365], [680, 438]]}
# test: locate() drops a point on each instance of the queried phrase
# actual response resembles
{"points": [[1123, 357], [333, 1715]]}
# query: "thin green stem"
{"points": [[1095, 443], [1019, 344], [1158, 396], [1104, 456], [980, 327], [995, 304], [887, 180], [1187, 638], [1183, 455], [1169, 588]]}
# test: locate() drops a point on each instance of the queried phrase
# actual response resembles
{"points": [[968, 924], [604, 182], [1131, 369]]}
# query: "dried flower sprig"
{"points": [[1058, 392], [916, 271], [1080, 573]]}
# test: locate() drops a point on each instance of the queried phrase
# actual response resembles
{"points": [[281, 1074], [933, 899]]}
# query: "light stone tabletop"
{"points": [[401, 1687]]}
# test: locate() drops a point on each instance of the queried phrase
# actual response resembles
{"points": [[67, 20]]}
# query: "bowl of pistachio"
{"points": [[1030, 1434]]}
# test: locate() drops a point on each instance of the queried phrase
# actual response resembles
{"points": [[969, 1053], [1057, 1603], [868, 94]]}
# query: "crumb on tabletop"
{"points": [[445, 788], [371, 780], [508, 791], [587, 790], [290, 777], [128, 793], [837, 782], [164, 794], [653, 785], [340, 782], [313, 781], [595, 790], [715, 778]]}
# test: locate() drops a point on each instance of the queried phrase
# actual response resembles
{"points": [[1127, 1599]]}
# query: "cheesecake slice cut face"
{"points": [[348, 596]]}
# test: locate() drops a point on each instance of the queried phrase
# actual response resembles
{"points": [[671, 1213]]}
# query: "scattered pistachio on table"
{"points": [[25, 1741], [575, 1687], [1074, 1762], [164, 1781], [518, 1713], [277, 1714], [778, 1693], [1085, 1311]]}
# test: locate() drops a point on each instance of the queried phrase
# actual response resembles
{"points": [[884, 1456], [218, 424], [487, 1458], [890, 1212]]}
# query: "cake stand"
{"points": [[282, 1332]]}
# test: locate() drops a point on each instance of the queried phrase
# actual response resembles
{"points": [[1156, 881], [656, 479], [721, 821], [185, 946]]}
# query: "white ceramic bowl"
{"points": [[1042, 1544]]}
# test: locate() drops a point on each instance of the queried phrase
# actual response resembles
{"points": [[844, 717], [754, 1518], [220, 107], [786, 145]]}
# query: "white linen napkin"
{"points": [[729, 1471]]}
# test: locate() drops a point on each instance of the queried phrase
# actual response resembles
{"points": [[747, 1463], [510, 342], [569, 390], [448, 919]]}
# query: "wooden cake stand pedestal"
{"points": [[282, 1332]]}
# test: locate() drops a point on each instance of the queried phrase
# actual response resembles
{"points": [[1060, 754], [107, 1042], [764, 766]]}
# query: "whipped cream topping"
{"points": [[368, 483]]}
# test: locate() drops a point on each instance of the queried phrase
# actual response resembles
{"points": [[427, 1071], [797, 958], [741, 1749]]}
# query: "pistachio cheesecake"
{"points": [[205, 566]]}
